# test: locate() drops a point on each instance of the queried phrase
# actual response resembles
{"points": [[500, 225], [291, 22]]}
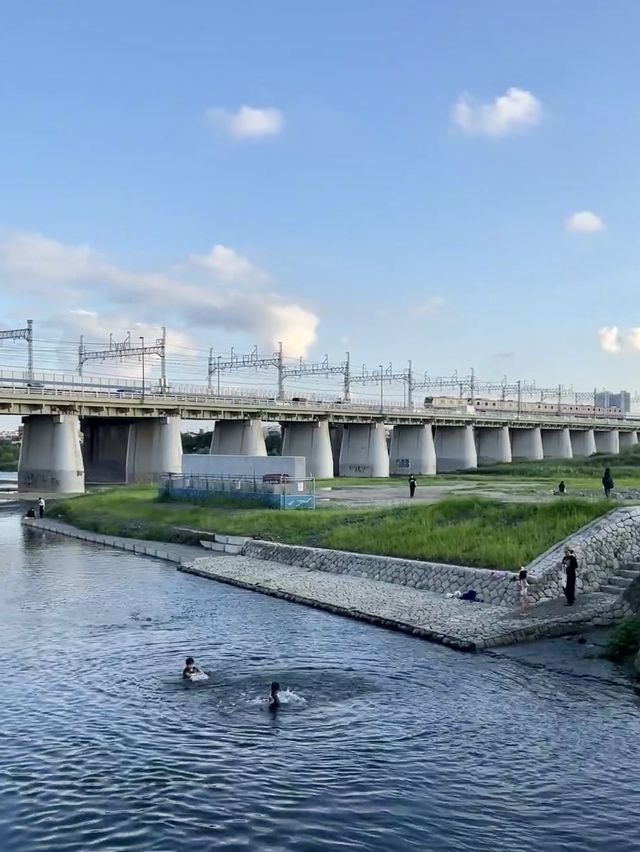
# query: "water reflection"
{"points": [[394, 744]]}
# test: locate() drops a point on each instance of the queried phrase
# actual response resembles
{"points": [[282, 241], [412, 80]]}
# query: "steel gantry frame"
{"points": [[124, 349], [253, 360], [22, 334]]}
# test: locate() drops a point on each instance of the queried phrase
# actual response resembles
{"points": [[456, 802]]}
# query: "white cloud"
{"points": [[609, 338], [512, 112], [228, 265], [428, 308], [614, 340], [632, 339], [584, 222], [75, 277], [247, 122]]}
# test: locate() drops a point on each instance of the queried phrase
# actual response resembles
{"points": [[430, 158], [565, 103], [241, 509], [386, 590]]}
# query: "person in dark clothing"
{"points": [[569, 567], [607, 482], [30, 514], [412, 485], [190, 669], [562, 488], [274, 701]]}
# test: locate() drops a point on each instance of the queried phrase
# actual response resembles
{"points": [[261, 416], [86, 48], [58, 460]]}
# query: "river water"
{"points": [[385, 743]]}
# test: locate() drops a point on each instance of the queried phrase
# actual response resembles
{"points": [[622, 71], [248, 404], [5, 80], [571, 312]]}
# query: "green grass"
{"points": [[579, 474], [465, 530]]}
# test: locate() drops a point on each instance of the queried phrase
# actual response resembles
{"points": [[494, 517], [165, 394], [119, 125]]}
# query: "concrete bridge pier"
{"points": [[627, 440], [556, 443], [104, 449], [493, 445], [50, 456], [455, 448], [312, 441], [335, 434], [412, 450], [607, 441], [526, 444], [154, 449], [364, 450], [583, 442], [238, 438]]}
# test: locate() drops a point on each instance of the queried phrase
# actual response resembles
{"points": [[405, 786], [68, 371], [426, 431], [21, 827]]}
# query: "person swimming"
{"points": [[190, 669], [274, 701]]}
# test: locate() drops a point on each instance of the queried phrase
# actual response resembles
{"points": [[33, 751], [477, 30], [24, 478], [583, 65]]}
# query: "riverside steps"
{"points": [[424, 613]]}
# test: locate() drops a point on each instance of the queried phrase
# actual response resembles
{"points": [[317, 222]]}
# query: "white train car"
{"points": [[511, 406]]}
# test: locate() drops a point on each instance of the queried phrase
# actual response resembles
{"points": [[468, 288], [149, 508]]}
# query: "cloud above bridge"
{"points": [[515, 111], [220, 289], [614, 340]]}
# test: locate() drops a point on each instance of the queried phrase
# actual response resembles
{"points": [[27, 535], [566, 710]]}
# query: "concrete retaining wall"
{"points": [[598, 545]]}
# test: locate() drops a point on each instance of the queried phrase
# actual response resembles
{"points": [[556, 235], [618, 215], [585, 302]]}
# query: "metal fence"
{"points": [[277, 491]]}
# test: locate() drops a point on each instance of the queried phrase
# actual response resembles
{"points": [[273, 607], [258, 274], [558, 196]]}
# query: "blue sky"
{"points": [[349, 206]]}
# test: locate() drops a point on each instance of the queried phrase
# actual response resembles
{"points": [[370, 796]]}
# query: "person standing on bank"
{"points": [[569, 567], [412, 485], [607, 482], [41, 505]]}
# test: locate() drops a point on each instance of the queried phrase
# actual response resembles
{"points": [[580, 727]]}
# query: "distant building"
{"points": [[622, 400]]}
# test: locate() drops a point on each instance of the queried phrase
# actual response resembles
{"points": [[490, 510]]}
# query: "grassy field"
{"points": [[471, 531], [580, 474]]}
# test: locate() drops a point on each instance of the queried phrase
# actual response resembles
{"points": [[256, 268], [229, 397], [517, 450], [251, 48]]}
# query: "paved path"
{"points": [[159, 549], [458, 624]]}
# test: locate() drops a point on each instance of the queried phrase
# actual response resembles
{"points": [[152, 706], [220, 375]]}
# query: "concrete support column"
{"points": [[312, 441], [556, 444], [493, 444], [583, 442], [238, 438], [50, 457], [526, 444], [335, 434], [155, 449], [104, 449], [412, 450], [627, 440], [607, 441], [455, 448], [364, 450]]}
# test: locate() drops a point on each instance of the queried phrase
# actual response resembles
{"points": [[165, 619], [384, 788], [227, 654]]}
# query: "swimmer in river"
{"points": [[189, 669], [274, 701]]}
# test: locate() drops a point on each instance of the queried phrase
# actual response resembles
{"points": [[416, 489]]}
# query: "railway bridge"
{"points": [[111, 434]]}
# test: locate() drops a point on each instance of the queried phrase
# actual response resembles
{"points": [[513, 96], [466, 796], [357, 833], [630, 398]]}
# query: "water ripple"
{"points": [[385, 743]]}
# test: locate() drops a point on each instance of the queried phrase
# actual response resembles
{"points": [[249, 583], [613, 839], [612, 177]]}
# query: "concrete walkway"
{"points": [[455, 623], [166, 550]]}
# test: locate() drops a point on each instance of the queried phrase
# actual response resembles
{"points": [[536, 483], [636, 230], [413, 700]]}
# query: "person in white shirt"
{"points": [[41, 505]]}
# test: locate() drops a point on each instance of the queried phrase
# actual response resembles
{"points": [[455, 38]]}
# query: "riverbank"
{"points": [[456, 530], [457, 624]]}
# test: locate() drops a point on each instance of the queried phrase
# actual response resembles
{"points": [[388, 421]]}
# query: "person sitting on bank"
{"points": [[30, 513], [562, 488], [607, 482], [190, 669], [412, 485]]}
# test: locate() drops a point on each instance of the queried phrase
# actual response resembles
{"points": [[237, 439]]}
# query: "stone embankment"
{"points": [[602, 548], [346, 584]]}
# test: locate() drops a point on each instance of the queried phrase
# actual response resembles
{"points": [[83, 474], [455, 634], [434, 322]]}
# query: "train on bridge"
{"points": [[453, 404]]}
